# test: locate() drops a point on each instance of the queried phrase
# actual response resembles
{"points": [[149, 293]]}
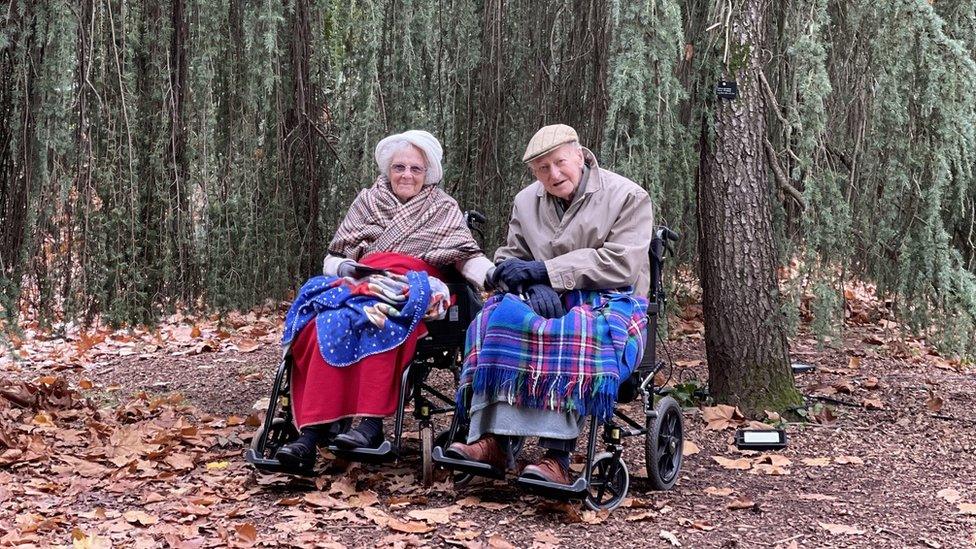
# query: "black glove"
{"points": [[518, 273], [545, 301], [356, 270]]}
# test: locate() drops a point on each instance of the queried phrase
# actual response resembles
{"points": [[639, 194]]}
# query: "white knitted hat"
{"points": [[424, 141]]}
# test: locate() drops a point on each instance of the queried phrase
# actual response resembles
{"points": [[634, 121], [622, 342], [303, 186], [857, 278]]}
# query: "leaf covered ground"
{"points": [[135, 439]]}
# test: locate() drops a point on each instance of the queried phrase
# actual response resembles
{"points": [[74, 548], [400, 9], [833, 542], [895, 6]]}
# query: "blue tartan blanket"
{"points": [[356, 319], [572, 363]]}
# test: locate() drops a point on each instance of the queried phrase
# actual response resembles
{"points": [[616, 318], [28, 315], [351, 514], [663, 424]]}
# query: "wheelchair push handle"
{"points": [[661, 243], [473, 219], [667, 233]]}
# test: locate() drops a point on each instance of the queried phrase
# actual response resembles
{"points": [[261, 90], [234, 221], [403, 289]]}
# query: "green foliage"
{"points": [[128, 187], [645, 140], [689, 393]]}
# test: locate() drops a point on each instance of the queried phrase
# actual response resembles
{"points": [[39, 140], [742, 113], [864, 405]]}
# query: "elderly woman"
{"points": [[403, 224]]}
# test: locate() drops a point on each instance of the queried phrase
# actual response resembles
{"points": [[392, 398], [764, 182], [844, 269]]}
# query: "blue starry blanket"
{"points": [[359, 318]]}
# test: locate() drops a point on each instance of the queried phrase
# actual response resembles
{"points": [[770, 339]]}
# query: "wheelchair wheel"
{"points": [[460, 479], [282, 432], [663, 444], [609, 482]]}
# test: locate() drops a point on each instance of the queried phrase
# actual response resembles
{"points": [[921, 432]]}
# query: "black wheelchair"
{"points": [[442, 349], [605, 479]]}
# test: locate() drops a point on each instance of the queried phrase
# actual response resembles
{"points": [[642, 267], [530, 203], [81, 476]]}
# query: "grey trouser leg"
{"points": [[565, 445]]}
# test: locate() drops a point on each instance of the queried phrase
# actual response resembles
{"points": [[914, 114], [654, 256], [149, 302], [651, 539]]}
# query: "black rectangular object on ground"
{"points": [[760, 439]]}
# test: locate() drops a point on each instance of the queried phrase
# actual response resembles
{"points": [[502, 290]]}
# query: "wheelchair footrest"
{"points": [[274, 466], [466, 466], [381, 454], [577, 490]]}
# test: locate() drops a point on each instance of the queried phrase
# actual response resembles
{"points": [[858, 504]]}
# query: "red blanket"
{"points": [[321, 393]]}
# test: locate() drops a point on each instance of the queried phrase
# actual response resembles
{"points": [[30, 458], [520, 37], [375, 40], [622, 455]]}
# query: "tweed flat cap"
{"points": [[547, 139]]}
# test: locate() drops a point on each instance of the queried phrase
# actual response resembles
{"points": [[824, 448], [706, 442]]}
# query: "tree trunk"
{"points": [[303, 153], [16, 130], [180, 222], [745, 337]]}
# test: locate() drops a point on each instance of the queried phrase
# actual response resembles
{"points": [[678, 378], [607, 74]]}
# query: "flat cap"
{"points": [[547, 139]]}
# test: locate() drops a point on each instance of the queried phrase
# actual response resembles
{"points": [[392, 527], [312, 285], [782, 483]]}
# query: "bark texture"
{"points": [[745, 336]]}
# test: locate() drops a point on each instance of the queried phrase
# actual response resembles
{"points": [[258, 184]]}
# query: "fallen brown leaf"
{"points": [[768, 469], [743, 464], [669, 537], [409, 527], [546, 539], [722, 417], [439, 515], [742, 503], [139, 517], [817, 497], [689, 448], [246, 532], [872, 404], [949, 494], [641, 515], [967, 508], [840, 529]]}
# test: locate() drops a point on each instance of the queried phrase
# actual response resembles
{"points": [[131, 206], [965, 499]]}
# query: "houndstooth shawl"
{"points": [[429, 226]]}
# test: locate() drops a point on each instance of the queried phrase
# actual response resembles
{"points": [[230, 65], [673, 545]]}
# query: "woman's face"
{"points": [[408, 169]]}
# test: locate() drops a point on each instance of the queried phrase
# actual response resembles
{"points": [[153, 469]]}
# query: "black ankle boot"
{"points": [[368, 434], [301, 453]]}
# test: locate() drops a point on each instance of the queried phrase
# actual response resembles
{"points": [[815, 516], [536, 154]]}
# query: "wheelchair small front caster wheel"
{"points": [[609, 482], [663, 444], [282, 432]]}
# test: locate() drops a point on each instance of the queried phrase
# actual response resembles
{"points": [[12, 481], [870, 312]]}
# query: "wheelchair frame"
{"points": [[605, 479]]}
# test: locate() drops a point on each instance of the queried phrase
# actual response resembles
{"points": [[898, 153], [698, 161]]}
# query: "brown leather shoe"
{"points": [[549, 470], [486, 450]]}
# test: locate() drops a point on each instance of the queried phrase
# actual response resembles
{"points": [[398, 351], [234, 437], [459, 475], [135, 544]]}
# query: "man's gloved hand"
{"points": [[356, 270], [545, 301], [518, 273]]}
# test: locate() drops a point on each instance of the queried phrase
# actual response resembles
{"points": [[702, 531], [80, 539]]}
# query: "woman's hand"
{"points": [[356, 270]]}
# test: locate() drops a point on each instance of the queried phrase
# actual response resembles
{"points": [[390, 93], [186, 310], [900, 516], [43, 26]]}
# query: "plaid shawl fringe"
{"points": [[572, 364]]}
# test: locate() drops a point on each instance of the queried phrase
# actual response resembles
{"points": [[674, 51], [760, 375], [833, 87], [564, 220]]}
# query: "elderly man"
{"points": [[576, 227]]}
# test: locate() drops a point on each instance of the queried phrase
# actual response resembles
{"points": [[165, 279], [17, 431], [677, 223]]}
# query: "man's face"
{"points": [[560, 170]]}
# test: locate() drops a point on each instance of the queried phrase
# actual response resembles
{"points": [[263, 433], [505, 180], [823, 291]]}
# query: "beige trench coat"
{"points": [[601, 242]]}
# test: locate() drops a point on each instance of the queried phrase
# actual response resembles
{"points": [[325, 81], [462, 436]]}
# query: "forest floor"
{"points": [[136, 439]]}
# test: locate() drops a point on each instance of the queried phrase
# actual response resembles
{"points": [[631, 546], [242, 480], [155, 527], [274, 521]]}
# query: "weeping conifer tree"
{"points": [[191, 153]]}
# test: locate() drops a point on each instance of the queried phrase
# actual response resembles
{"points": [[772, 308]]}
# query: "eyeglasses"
{"points": [[416, 170]]}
